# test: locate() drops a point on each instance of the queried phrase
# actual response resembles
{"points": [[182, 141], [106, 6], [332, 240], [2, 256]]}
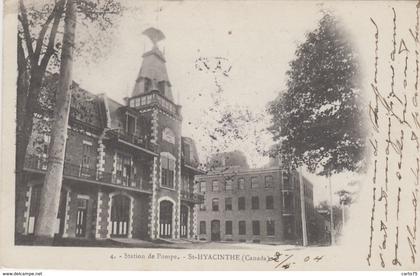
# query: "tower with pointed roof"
{"points": [[153, 76], [152, 97]]}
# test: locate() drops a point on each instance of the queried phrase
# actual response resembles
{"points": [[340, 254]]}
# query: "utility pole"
{"points": [[331, 212], [302, 208], [50, 196]]}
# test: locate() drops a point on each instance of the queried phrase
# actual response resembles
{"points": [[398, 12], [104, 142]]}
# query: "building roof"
{"points": [[153, 67], [236, 170], [84, 106]]}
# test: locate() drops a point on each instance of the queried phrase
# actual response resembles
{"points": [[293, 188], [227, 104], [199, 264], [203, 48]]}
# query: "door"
{"points": [[184, 221], [288, 227], [165, 219], [81, 217], [215, 230], [120, 213], [34, 207]]}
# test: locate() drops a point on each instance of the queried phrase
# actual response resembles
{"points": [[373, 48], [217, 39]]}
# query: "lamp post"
{"points": [[331, 212], [302, 208]]}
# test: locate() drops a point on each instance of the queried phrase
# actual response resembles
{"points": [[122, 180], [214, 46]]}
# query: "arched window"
{"points": [[167, 163]]}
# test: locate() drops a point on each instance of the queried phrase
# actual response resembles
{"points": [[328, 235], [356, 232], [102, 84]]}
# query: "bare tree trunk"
{"points": [[50, 196]]}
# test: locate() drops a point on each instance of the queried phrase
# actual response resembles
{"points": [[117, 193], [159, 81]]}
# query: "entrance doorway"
{"points": [[184, 221], [120, 214], [165, 219], [81, 217], [215, 230]]}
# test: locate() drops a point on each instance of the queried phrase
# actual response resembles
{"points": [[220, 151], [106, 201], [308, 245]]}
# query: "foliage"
{"points": [[83, 109], [40, 28], [317, 121], [40, 34]]}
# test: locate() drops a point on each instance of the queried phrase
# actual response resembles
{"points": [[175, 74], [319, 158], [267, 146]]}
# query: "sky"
{"points": [[253, 40]]}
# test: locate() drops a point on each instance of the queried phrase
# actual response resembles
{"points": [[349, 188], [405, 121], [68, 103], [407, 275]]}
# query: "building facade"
{"points": [[253, 205], [128, 171]]}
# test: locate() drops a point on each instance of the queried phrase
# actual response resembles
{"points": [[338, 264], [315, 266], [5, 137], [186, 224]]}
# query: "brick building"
{"points": [[253, 205], [128, 171]]}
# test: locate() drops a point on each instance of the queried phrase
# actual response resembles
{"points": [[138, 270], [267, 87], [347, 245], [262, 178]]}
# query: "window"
{"points": [[203, 186], [147, 84], [255, 203], [286, 179], [268, 181], [202, 207], [215, 204], [137, 103], [185, 183], [130, 126], [269, 202], [255, 227], [228, 185], [148, 99], [270, 228], [168, 169], [254, 183], [228, 227], [202, 227], [82, 203], [241, 203], [187, 152], [161, 87], [124, 169], [228, 204], [215, 185], [287, 203], [242, 227], [241, 184], [143, 100], [87, 150]]}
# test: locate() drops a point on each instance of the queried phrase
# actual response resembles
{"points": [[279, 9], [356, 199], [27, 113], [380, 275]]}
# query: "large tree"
{"points": [[42, 36], [318, 120]]}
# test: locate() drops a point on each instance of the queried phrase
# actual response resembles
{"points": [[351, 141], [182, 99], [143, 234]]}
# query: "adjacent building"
{"points": [[253, 205], [128, 170]]}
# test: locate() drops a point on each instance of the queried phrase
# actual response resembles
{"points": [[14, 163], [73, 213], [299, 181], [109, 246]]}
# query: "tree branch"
{"points": [[42, 33], [21, 56], [23, 17], [50, 48]]}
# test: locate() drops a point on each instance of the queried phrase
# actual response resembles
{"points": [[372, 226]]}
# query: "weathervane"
{"points": [[154, 35]]}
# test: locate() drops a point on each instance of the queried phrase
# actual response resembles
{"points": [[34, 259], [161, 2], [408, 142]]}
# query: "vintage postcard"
{"points": [[210, 135]]}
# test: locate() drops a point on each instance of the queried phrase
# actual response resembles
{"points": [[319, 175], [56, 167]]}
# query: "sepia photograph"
{"points": [[256, 135]]}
